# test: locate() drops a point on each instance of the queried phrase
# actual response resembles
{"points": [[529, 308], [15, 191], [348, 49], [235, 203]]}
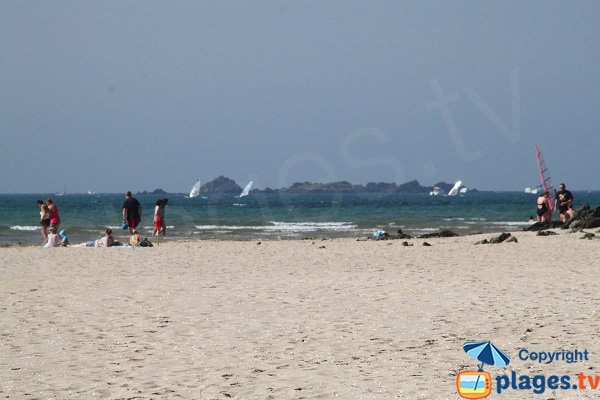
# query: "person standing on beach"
{"points": [[54, 216], [44, 219], [564, 200], [132, 212], [542, 207], [159, 218]]}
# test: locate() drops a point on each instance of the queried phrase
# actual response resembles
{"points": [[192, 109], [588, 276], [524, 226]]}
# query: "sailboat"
{"points": [[195, 190], [247, 189], [546, 182], [454, 190]]}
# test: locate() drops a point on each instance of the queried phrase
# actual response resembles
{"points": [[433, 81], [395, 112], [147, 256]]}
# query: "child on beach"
{"points": [[138, 240], [63, 237], [135, 238]]}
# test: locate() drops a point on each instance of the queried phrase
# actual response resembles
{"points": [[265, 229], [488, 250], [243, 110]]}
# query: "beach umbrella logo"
{"points": [[478, 384]]}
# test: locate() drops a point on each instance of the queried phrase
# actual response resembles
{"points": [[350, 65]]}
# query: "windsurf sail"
{"points": [[454, 190], [247, 189], [546, 181], [195, 190]]}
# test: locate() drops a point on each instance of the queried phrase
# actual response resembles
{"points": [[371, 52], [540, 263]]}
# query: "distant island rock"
{"points": [[332, 187], [372, 187], [221, 184], [155, 191]]}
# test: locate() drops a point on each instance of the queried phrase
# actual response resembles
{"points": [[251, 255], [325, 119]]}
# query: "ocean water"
{"points": [[278, 216]]}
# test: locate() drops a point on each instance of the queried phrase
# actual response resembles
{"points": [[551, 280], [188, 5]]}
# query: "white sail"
{"points": [[454, 190], [247, 189], [195, 189], [463, 190], [436, 191]]}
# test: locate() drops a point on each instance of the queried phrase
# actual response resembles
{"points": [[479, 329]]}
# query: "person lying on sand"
{"points": [[105, 241]]}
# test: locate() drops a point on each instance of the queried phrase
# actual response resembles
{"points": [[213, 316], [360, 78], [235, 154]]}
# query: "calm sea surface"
{"points": [[278, 216]]}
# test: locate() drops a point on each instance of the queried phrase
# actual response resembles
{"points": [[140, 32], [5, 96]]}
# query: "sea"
{"points": [[278, 216]]}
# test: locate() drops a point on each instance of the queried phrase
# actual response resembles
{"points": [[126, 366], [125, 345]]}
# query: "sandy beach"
{"points": [[291, 319]]}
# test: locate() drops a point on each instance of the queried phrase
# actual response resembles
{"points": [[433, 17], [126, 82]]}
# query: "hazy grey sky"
{"points": [[115, 95]]}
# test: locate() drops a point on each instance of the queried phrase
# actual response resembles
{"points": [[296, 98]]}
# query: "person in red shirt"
{"points": [[54, 215]]}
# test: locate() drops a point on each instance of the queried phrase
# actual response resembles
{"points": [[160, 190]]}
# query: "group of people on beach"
{"points": [[563, 202], [49, 218], [132, 216]]}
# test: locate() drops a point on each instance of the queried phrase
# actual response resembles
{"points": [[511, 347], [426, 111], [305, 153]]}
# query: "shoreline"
{"points": [[363, 238]]}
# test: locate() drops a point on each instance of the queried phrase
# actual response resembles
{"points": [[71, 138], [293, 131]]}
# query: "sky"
{"points": [[136, 95]]}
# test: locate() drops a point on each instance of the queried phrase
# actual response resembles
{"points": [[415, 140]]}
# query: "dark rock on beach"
{"points": [[503, 237], [588, 235], [426, 244], [402, 235], [546, 233], [441, 233], [500, 238], [585, 218], [540, 226]]}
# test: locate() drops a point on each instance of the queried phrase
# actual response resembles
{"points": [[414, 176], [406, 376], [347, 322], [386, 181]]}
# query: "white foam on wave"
{"points": [[277, 226], [310, 226], [464, 219], [425, 229], [509, 223], [24, 228], [229, 227]]}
